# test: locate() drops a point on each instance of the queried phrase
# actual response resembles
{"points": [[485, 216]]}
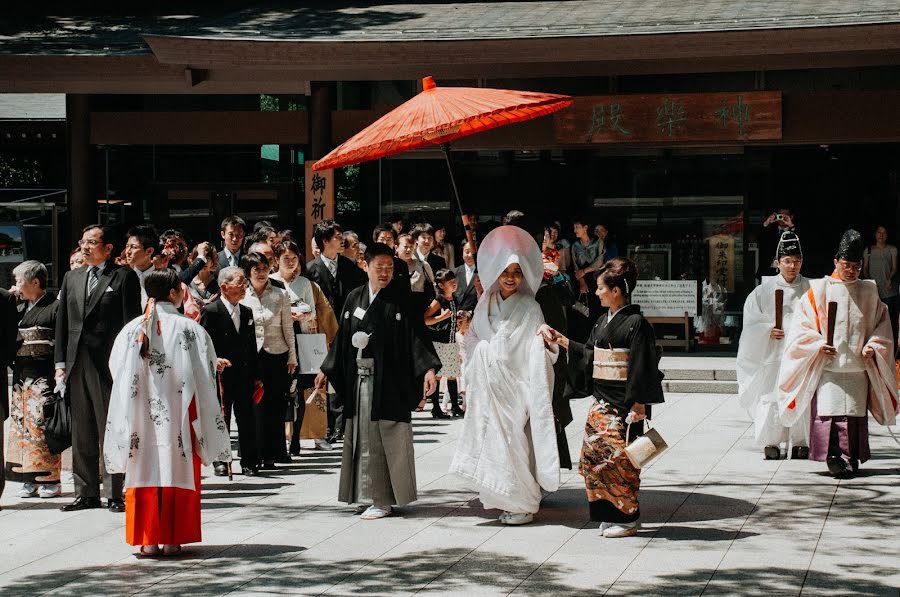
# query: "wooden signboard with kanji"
{"points": [[319, 201], [670, 118], [721, 261]]}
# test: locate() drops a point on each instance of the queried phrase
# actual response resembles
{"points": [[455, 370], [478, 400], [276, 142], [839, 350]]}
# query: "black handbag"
{"points": [[57, 424]]}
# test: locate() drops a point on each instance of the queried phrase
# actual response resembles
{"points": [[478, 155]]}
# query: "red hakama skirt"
{"points": [[164, 515]]}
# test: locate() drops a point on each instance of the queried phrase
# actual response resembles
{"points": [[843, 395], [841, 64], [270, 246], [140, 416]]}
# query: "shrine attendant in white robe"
{"points": [[507, 449], [164, 419], [841, 381], [761, 348]]}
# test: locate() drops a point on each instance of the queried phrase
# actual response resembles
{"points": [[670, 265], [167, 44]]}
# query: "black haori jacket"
{"points": [[398, 343]]}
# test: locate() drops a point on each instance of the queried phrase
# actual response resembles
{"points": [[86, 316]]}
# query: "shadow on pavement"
{"points": [[282, 569]]}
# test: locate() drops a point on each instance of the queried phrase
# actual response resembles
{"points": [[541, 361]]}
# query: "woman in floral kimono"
{"points": [[623, 395], [27, 457]]}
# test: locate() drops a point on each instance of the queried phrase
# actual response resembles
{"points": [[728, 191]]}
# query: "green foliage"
{"points": [[268, 103], [347, 189]]}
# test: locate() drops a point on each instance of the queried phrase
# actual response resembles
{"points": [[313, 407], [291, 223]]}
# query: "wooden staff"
{"points": [[832, 318], [222, 406], [779, 309]]}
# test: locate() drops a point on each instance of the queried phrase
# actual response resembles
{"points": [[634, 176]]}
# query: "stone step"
{"points": [[700, 386], [686, 374]]}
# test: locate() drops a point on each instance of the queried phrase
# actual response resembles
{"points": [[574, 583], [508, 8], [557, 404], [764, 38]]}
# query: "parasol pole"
{"points": [[470, 235]]}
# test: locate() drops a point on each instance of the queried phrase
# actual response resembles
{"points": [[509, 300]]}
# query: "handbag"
{"points": [[315, 419], [645, 448], [57, 424], [311, 352], [581, 306]]}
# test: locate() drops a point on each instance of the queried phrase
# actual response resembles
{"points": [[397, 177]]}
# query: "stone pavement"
{"points": [[717, 520]]}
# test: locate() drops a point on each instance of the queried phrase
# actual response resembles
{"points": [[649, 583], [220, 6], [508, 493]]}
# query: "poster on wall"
{"points": [[666, 298], [722, 260], [319, 190]]}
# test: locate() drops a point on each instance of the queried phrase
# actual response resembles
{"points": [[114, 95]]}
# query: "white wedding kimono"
{"points": [[507, 448], [148, 429], [759, 361]]}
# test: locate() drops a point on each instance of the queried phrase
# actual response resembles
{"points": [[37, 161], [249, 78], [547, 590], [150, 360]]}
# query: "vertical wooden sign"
{"points": [[721, 261], [319, 201]]}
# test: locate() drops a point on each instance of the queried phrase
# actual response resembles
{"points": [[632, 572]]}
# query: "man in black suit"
{"points": [[423, 235], [233, 232], [336, 276], [465, 295], [9, 320], [95, 302], [231, 327]]}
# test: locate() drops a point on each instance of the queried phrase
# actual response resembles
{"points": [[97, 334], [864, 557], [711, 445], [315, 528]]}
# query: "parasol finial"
{"points": [[428, 83]]}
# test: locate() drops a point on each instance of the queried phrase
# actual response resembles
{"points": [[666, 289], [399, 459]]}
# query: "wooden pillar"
{"points": [[320, 106], [82, 203]]}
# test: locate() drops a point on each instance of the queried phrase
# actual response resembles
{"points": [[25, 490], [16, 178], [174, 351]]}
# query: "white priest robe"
{"points": [[148, 429], [845, 384], [507, 448], [759, 361]]}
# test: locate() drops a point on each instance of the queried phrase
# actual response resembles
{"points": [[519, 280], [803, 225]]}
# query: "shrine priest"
{"points": [[376, 364], [839, 363], [768, 312], [164, 419]]}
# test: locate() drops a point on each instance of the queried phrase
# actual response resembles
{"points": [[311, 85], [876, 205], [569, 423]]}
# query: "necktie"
{"points": [[232, 259], [92, 279], [236, 318]]}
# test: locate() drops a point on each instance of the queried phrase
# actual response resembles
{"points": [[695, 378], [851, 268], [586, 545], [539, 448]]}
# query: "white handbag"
{"points": [[645, 448]]}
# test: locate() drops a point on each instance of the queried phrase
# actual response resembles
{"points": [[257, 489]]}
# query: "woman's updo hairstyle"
{"points": [[619, 272]]}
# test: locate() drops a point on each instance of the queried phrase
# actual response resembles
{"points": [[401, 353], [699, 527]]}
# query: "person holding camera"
{"points": [[779, 221]]}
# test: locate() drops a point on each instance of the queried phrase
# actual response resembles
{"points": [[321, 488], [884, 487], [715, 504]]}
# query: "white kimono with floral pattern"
{"points": [[148, 428]]}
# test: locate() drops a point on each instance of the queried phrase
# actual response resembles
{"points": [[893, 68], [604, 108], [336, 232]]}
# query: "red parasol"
{"points": [[437, 116]]}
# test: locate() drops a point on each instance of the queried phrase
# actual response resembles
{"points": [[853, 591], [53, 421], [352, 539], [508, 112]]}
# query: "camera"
{"points": [[779, 217]]}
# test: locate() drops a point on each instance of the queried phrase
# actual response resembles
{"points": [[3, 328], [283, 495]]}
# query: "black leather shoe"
{"points": [[838, 467], [439, 414], [250, 471], [116, 505], [82, 503], [295, 450], [772, 453], [267, 465], [459, 413], [800, 453], [220, 469]]}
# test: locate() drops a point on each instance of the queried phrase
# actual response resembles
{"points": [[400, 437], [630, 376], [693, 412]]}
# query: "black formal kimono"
{"points": [[28, 458], [378, 392], [612, 482]]}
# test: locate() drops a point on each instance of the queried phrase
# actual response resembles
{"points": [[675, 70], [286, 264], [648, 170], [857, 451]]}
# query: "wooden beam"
{"points": [[814, 47], [808, 118], [199, 128], [133, 75], [195, 76]]}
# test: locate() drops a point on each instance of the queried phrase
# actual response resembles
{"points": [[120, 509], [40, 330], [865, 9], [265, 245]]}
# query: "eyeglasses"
{"points": [[91, 242]]}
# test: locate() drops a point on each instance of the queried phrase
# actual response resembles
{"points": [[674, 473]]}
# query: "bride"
{"points": [[507, 449]]}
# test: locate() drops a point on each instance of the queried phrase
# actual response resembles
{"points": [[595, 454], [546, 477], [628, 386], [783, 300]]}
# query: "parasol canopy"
{"points": [[439, 115]]}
